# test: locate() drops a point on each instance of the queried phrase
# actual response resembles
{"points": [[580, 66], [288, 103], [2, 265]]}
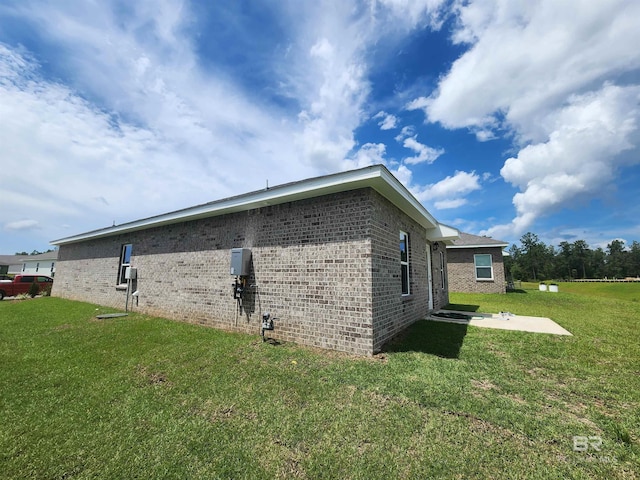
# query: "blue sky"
{"points": [[501, 117]]}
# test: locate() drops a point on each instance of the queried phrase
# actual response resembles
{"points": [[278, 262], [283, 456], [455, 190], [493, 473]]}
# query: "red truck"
{"points": [[22, 283]]}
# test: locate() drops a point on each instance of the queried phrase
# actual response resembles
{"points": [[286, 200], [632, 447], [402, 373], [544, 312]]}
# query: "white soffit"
{"points": [[442, 233]]}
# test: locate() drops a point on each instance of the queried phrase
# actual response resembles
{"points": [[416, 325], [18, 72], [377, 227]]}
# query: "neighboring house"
{"points": [[11, 264], [42, 263], [475, 264], [344, 262]]}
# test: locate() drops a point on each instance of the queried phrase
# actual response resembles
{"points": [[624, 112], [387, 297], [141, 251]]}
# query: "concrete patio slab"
{"points": [[503, 321]]}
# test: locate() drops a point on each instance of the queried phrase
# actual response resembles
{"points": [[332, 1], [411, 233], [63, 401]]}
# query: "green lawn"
{"points": [[142, 397], [621, 291]]}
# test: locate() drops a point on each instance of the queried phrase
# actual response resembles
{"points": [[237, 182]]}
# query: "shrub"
{"points": [[34, 289]]}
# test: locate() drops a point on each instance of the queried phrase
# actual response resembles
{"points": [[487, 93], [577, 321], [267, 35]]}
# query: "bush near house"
{"points": [[139, 396], [34, 289]]}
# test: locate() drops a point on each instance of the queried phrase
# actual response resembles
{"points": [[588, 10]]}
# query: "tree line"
{"points": [[36, 252], [534, 261]]}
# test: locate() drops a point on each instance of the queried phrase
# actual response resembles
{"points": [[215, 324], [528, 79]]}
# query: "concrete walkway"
{"points": [[504, 321]]}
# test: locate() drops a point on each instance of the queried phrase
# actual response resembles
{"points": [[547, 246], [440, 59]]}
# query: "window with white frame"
{"points": [[125, 261], [404, 262], [442, 270], [484, 268]]}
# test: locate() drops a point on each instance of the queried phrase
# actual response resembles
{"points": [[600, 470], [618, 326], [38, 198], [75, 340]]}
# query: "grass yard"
{"points": [[621, 291], [143, 397]]}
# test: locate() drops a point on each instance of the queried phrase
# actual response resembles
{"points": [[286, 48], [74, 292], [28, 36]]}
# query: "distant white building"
{"points": [[42, 264]]}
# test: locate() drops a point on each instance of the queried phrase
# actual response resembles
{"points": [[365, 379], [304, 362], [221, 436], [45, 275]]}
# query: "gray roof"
{"points": [[12, 259], [41, 256], [468, 240], [376, 177], [18, 259]]}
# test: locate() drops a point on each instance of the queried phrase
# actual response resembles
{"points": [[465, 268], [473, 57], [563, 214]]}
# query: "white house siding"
{"points": [[40, 267]]}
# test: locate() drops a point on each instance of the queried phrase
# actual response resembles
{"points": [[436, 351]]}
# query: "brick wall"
{"points": [[327, 268], [462, 273], [393, 312]]}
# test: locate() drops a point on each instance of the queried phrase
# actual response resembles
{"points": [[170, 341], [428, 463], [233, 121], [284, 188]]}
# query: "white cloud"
{"points": [[452, 203], [579, 158], [449, 192], [561, 78], [425, 154], [388, 121], [323, 50], [326, 72], [528, 56], [420, 103], [404, 175], [484, 135], [368, 154], [151, 120], [446, 194], [22, 225], [407, 131], [83, 163], [414, 12]]}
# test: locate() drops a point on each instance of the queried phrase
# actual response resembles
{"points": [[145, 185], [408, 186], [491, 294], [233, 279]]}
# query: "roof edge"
{"points": [[485, 245], [377, 177]]}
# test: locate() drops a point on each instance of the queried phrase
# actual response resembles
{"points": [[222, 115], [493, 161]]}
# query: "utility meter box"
{"points": [[240, 262], [130, 273]]}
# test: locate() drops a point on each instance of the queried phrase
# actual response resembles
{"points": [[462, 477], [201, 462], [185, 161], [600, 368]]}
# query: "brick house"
{"points": [[475, 264], [344, 261]]}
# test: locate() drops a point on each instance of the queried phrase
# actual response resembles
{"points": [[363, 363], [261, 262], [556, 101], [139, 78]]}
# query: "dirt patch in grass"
{"points": [[149, 377], [483, 385], [514, 397], [62, 327]]}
